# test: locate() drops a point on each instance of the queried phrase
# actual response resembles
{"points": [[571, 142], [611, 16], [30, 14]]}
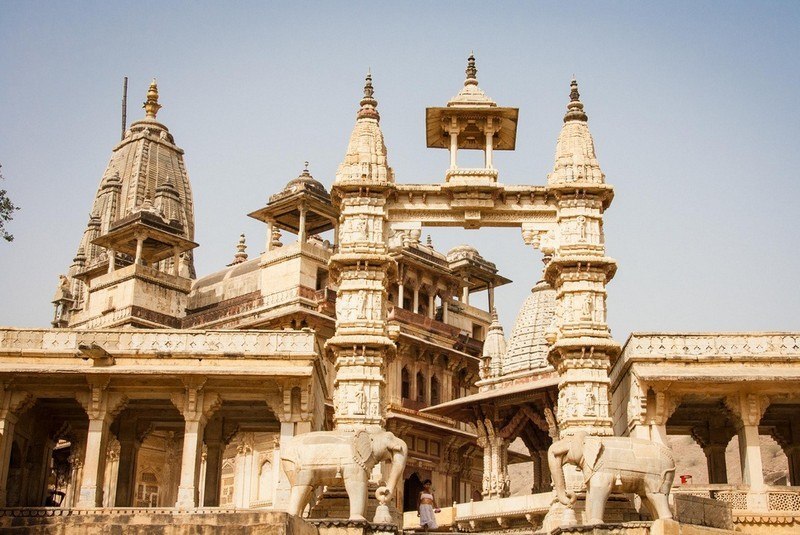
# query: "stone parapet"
{"points": [[151, 521], [155, 342]]}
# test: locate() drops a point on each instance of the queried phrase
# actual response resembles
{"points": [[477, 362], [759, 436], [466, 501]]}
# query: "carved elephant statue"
{"points": [[614, 464], [341, 458]]}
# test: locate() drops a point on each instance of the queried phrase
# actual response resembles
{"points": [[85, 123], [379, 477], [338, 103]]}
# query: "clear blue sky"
{"points": [[693, 107]]}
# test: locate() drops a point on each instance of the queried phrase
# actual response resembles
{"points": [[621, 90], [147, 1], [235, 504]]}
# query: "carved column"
{"points": [[713, 437], [196, 406], [128, 455], [750, 408], [101, 406], [215, 447], [8, 421], [582, 350], [301, 233], [363, 270], [112, 473]]}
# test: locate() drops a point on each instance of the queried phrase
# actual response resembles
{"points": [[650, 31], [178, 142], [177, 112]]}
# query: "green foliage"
{"points": [[7, 209]]}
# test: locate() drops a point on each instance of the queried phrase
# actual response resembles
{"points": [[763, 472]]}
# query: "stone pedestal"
{"points": [[334, 504]]}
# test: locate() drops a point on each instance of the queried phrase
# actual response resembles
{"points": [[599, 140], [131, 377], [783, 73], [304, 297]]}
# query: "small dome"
{"points": [[304, 182], [462, 251]]}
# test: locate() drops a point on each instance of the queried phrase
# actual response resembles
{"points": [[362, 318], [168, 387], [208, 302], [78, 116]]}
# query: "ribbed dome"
{"points": [[527, 348]]}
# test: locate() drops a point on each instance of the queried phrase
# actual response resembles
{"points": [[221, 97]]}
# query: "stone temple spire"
{"points": [[146, 169], [582, 349], [576, 161], [365, 161]]}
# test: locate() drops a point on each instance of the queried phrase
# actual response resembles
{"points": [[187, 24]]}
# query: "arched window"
{"points": [[434, 390], [405, 383], [420, 387]]}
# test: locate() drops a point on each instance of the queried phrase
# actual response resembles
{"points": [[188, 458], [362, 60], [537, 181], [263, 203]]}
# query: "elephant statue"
{"points": [[341, 458], [614, 464]]}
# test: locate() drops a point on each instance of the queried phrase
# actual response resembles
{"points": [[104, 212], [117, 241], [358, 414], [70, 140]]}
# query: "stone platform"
{"points": [[150, 521], [657, 527]]}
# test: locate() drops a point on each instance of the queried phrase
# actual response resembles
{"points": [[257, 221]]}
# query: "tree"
{"points": [[7, 209]]}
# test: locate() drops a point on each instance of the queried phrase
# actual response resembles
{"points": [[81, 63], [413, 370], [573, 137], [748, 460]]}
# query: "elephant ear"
{"points": [[362, 448], [591, 452]]}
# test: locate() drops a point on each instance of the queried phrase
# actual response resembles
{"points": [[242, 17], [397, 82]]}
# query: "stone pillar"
{"points": [[465, 292], [363, 271], [215, 447], [415, 305], [715, 460], [101, 406], [301, 233], [128, 456], [282, 487], [582, 349], [400, 294], [490, 294], [94, 463], [445, 312], [750, 408], [196, 406], [793, 458], [489, 144], [453, 147], [112, 474], [432, 304], [750, 455], [243, 480], [8, 422], [139, 247], [268, 246], [190, 463], [112, 258]]}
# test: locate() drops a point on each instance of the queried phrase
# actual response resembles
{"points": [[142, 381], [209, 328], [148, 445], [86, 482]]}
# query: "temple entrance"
{"points": [[411, 489]]}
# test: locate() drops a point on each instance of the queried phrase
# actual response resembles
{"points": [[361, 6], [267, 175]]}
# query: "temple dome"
{"points": [[527, 347], [462, 251], [304, 182]]}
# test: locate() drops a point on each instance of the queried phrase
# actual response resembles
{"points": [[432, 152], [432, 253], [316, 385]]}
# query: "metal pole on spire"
{"points": [[124, 108]]}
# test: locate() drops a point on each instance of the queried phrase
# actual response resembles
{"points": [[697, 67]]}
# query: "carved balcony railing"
{"points": [[778, 499]]}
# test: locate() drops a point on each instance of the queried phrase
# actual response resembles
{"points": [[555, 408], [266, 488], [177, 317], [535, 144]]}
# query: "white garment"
{"points": [[426, 516]]}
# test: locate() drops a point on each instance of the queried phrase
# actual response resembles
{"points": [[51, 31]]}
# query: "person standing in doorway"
{"points": [[426, 507]]}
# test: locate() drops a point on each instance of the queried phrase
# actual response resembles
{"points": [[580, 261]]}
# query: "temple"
{"points": [[157, 390]]}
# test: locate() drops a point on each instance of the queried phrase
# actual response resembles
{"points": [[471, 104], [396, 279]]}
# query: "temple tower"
{"points": [[582, 350], [134, 264], [362, 269]]}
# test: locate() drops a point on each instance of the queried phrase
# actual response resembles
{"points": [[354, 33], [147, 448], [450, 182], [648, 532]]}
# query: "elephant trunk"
{"points": [[398, 465], [563, 496]]}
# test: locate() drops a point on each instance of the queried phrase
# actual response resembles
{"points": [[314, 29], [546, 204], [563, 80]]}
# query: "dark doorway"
{"points": [[411, 489]]}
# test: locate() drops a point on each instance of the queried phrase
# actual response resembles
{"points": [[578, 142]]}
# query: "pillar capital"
{"points": [[194, 403], [748, 407]]}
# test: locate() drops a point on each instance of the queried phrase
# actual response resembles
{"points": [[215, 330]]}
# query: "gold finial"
{"points": [[151, 106]]}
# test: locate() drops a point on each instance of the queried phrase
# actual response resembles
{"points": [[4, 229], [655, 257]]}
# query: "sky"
{"points": [[692, 106]]}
